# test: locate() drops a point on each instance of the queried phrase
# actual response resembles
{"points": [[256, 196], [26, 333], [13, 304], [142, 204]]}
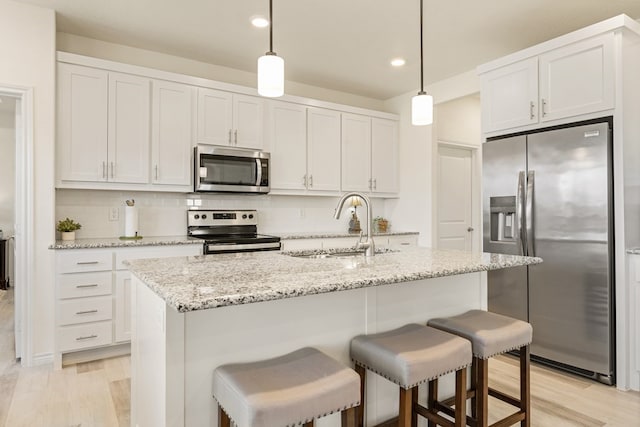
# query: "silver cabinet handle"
{"points": [[370, 184], [532, 106], [531, 250], [92, 285], [87, 262], [112, 169], [304, 180], [311, 181], [230, 133], [104, 170], [521, 234], [86, 338], [235, 137], [544, 107], [87, 312], [375, 184], [470, 229]]}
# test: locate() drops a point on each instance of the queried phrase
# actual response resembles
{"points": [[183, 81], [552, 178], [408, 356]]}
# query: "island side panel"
{"points": [[326, 321], [157, 360]]}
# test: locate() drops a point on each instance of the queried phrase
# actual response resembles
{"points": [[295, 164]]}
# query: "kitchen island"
{"points": [[192, 314]]}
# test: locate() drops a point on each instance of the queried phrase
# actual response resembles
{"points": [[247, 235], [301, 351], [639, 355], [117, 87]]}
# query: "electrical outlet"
{"points": [[114, 214]]}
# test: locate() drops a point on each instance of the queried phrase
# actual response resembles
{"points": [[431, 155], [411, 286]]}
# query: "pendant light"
{"points": [[270, 67], [421, 104]]}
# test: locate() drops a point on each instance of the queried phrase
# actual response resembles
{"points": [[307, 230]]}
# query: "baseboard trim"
{"points": [[42, 359], [95, 354]]}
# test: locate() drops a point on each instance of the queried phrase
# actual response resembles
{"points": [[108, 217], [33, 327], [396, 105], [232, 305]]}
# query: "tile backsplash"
{"points": [[164, 214]]}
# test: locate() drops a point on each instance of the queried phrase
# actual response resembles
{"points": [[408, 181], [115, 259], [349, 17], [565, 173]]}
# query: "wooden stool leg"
{"points": [[349, 417], [361, 409], [223, 418], [310, 424], [433, 398], [414, 401], [525, 385], [406, 408], [474, 386], [461, 398], [482, 393]]}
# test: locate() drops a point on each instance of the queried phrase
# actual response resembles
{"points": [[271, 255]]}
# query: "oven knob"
{"points": [[196, 216], [204, 216], [244, 216], [250, 216]]}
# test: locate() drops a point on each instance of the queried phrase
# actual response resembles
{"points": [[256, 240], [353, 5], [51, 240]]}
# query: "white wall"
{"points": [[7, 171], [146, 58], [414, 208], [459, 121], [164, 214], [27, 50]]}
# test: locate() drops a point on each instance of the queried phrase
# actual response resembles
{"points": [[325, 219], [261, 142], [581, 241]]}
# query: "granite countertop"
{"points": [[210, 281], [330, 234], [124, 243]]}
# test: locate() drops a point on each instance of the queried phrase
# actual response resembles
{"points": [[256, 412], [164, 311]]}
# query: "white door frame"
{"points": [[476, 180], [24, 213]]}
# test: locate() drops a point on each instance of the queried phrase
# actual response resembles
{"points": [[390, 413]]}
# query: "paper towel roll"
{"points": [[130, 221]]}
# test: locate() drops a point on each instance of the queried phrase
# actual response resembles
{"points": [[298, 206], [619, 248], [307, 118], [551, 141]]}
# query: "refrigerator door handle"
{"points": [[529, 213], [521, 235]]}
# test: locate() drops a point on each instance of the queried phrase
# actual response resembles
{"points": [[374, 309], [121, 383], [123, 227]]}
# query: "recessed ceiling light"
{"points": [[259, 21], [398, 62]]}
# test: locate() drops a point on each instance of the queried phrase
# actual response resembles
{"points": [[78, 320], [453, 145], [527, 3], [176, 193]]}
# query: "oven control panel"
{"points": [[201, 217]]}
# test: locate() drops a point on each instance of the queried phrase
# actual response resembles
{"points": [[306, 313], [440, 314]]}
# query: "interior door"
{"points": [[503, 173], [454, 198]]}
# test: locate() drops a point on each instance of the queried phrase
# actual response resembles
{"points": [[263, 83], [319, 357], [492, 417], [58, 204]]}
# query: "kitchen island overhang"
{"points": [[192, 314]]}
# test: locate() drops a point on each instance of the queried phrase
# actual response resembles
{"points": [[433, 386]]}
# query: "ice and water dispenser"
{"points": [[503, 218]]}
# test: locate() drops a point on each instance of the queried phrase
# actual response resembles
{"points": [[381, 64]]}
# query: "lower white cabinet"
{"points": [[93, 298]]}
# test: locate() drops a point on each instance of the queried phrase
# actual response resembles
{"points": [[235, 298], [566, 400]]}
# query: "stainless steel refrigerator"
{"points": [[549, 194]]}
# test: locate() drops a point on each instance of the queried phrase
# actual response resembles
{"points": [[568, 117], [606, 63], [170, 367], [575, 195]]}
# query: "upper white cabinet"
{"points": [[570, 81], [305, 147], [171, 133], [369, 154], [103, 125], [226, 118]]}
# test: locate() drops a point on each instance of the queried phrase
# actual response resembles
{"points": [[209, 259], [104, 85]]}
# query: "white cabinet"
{"points": [[323, 149], [570, 81], [122, 326], [103, 125], [369, 154], [226, 118], [171, 133]]}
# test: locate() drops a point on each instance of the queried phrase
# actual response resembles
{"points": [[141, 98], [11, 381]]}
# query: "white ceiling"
{"points": [[338, 44]]}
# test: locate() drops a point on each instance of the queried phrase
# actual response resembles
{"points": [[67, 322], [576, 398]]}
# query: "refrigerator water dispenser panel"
{"points": [[503, 218]]}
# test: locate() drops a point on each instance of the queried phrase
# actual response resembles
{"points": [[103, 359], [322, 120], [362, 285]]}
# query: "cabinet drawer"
{"points": [[409, 240], [83, 261], [157, 252], [85, 310], [84, 284], [84, 336]]}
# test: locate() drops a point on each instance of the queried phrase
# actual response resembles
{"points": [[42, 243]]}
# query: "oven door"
{"points": [[236, 244], [221, 169]]}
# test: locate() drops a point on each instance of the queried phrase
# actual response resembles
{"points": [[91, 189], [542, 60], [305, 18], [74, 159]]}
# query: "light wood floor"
{"points": [[96, 394]]}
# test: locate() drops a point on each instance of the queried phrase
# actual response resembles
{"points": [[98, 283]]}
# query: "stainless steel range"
{"points": [[225, 231]]}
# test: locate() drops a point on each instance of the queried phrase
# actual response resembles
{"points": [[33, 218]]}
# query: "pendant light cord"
{"points": [[271, 26], [421, 53]]}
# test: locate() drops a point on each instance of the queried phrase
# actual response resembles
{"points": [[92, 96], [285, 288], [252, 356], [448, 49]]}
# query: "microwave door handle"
{"points": [[259, 174]]}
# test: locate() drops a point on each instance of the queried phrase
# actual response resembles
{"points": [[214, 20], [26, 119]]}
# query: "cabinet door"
{"points": [[82, 123], [577, 79], [248, 121], [323, 145], [384, 155], [129, 122], [356, 152], [288, 145], [122, 319], [214, 117], [510, 96], [171, 136]]}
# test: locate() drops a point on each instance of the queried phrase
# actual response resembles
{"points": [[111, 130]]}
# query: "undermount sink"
{"points": [[333, 254]]}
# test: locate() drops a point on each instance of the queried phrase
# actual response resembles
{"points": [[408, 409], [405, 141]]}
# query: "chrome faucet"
{"points": [[367, 245]]}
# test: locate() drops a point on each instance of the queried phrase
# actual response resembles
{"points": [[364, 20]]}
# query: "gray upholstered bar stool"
{"points": [[289, 390], [409, 356], [491, 334]]}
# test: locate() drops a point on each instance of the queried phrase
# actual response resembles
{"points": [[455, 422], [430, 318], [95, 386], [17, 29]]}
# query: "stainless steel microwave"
{"points": [[230, 170]]}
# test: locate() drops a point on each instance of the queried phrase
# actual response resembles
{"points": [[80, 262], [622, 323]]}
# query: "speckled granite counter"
{"points": [[326, 235], [203, 282], [118, 243]]}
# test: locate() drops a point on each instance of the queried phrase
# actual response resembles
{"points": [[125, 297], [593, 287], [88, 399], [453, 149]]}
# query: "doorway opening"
{"points": [[16, 222]]}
